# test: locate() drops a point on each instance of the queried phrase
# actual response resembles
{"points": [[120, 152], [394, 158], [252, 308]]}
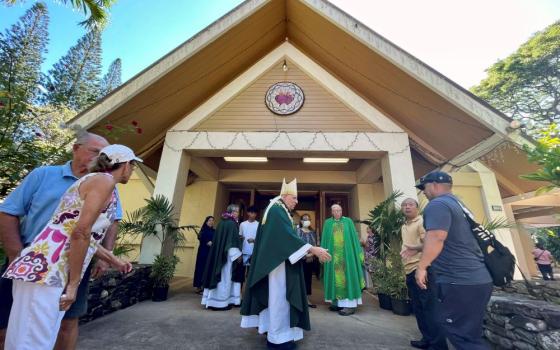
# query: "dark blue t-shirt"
{"points": [[461, 260]]}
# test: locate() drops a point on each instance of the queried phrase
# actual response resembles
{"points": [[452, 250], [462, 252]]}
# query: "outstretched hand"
{"points": [[321, 253]]}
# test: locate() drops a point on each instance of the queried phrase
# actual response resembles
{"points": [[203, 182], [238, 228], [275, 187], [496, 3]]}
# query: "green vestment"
{"points": [[225, 237], [276, 240], [343, 275]]}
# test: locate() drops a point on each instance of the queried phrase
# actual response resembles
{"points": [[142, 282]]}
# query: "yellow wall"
{"points": [[133, 196], [468, 188], [198, 203], [364, 198]]}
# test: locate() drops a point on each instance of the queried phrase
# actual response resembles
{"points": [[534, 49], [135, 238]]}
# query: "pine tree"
{"points": [[21, 54], [74, 80], [112, 79]]}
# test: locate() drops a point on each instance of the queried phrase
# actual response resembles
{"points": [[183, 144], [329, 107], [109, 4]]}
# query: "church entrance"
{"points": [[315, 203]]}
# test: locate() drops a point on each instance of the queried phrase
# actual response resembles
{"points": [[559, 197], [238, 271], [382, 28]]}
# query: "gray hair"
{"points": [[336, 206], [84, 137], [232, 207]]}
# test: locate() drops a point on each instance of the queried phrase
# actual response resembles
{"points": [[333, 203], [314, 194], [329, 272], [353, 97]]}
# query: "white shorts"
{"points": [[35, 317]]}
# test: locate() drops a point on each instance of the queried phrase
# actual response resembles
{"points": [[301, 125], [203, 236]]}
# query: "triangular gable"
{"points": [[321, 110], [343, 109]]}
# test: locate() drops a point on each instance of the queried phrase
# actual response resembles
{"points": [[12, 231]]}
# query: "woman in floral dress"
{"points": [[47, 273]]}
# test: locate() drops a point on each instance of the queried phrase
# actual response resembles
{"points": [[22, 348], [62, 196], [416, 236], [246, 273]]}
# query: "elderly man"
{"points": [[26, 211], [343, 277], [275, 299], [423, 300], [464, 284]]}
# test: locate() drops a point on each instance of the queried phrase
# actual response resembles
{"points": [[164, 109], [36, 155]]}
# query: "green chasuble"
{"points": [[225, 237], [343, 275], [276, 240]]}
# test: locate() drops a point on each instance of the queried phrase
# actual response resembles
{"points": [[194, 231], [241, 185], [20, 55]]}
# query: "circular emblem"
{"points": [[284, 98]]}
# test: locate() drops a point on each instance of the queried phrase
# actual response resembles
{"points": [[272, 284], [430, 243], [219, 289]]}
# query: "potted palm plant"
{"points": [[385, 220], [400, 301], [162, 273], [157, 219], [380, 276]]}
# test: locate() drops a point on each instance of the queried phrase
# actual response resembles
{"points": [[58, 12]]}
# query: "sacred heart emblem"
{"points": [[284, 98]]}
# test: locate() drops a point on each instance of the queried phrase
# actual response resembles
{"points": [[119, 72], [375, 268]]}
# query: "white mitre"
{"points": [[290, 188]]}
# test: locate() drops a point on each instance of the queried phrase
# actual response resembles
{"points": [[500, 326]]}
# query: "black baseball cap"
{"points": [[435, 176]]}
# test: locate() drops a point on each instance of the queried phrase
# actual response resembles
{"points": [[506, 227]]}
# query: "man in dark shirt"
{"points": [[464, 284]]}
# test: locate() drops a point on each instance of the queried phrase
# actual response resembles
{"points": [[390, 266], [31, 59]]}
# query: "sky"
{"points": [[460, 39]]}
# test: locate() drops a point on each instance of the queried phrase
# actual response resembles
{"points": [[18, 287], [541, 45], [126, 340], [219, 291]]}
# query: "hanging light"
{"points": [[285, 66]]}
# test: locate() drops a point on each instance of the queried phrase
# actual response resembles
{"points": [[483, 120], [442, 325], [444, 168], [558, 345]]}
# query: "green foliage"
{"points": [[156, 219], [380, 275], [389, 276], [163, 270], [112, 79], [97, 10], [32, 116], [123, 245], [550, 239], [546, 154], [74, 81], [496, 224], [29, 134], [526, 85], [386, 220]]}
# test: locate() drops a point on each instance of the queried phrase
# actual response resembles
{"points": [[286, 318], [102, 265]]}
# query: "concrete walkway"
{"points": [[182, 323]]}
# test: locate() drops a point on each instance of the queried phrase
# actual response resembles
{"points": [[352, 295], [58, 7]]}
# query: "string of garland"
{"points": [[274, 141]]}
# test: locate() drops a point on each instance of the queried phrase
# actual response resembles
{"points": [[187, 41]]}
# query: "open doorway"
{"points": [[316, 203]]}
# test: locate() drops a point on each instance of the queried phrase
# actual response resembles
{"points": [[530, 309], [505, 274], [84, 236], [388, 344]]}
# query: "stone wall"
{"points": [[115, 291], [523, 320], [539, 290]]}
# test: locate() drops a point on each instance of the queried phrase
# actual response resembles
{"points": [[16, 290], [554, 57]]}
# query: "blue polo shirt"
{"points": [[35, 200]]}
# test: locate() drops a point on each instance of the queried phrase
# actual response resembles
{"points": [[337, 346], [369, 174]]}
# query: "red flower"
{"points": [[134, 123], [139, 130], [109, 127]]}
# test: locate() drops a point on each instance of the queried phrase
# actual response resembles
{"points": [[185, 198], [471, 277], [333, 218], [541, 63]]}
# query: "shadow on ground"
{"points": [[182, 323]]}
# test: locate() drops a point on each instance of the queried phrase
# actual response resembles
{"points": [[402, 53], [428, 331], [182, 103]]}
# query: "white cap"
{"points": [[119, 154]]}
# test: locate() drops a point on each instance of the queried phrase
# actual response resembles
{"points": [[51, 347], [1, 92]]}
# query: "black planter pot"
{"points": [[160, 293], [384, 301], [401, 307]]}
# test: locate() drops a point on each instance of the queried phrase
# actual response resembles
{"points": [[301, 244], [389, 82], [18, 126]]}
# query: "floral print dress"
{"points": [[45, 260]]}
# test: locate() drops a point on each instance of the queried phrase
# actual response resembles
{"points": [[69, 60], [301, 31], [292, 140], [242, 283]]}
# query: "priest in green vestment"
{"points": [[275, 299], [343, 277], [220, 290]]}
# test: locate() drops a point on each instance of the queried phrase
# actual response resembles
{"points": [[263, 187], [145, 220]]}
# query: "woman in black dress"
{"points": [[205, 237]]}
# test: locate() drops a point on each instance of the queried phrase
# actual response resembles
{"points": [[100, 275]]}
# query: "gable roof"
{"points": [[444, 121]]}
